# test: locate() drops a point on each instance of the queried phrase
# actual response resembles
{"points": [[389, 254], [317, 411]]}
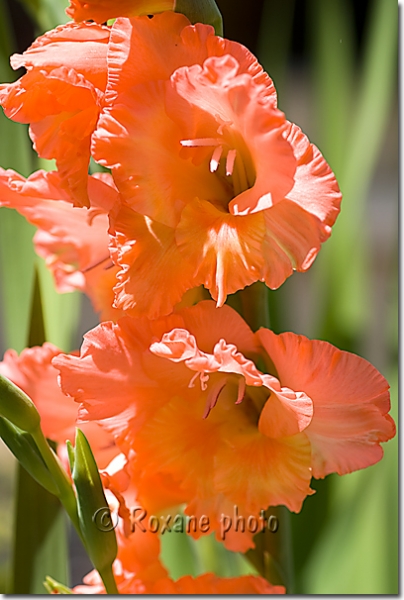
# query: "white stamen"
{"points": [[231, 157], [200, 142], [214, 161]]}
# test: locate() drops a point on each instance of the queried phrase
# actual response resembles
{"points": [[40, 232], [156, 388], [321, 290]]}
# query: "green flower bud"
{"points": [[25, 450], [17, 407], [100, 541], [201, 11]]}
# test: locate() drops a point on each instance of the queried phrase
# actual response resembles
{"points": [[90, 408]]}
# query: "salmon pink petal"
{"points": [[73, 241], [285, 413], [104, 10], [103, 372], [140, 242], [292, 241], [350, 399], [178, 345], [32, 371], [115, 364], [227, 321], [225, 249], [315, 187]]}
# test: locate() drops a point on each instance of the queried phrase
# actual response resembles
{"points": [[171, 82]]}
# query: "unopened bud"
{"points": [[201, 11], [100, 542], [17, 407], [25, 450]]}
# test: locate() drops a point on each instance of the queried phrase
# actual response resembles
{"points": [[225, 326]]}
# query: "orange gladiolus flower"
{"points": [[73, 241], [32, 371], [219, 188], [103, 10], [60, 96], [230, 417]]}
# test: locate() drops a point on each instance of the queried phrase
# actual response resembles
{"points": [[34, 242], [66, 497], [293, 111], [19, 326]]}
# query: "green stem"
{"points": [[272, 555], [108, 579], [255, 305]]}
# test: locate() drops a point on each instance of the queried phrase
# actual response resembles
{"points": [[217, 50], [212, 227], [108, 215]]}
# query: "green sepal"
{"points": [[17, 407], [100, 542], [25, 450], [201, 11], [54, 587]]}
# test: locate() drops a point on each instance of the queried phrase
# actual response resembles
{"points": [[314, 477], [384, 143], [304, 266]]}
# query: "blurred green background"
{"points": [[334, 64]]}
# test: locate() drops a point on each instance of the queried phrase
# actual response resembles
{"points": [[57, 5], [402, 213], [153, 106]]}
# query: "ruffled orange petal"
{"points": [[141, 242], [315, 187], [256, 472], [225, 249], [248, 124], [157, 182], [60, 96], [81, 48], [350, 399], [104, 10], [292, 241], [285, 413], [143, 50]]}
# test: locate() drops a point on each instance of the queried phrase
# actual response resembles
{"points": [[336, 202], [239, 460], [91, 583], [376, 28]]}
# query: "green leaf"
{"points": [[61, 312], [179, 555], [352, 135], [17, 260], [40, 538]]}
